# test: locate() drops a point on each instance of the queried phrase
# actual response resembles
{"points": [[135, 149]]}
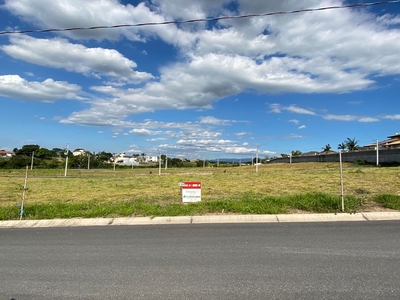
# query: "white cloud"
{"points": [[302, 127], [77, 58], [293, 137], [143, 131], [13, 86], [392, 117], [389, 19], [265, 55], [340, 118], [294, 121], [213, 121], [350, 118], [368, 120], [298, 110], [156, 139], [332, 51], [277, 108], [241, 134]]}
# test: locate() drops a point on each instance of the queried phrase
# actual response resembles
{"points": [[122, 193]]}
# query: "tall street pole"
{"points": [[257, 160], [159, 162], [66, 161], [33, 154]]}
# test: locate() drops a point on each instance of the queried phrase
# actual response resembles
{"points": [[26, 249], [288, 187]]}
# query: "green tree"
{"points": [[352, 144], [58, 151], [18, 162], [55, 163], [327, 148], [342, 146], [78, 161], [296, 153], [103, 156], [44, 153], [175, 162], [27, 150]]}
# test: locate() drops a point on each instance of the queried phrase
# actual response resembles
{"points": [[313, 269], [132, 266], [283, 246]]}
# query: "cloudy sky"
{"points": [[202, 89]]}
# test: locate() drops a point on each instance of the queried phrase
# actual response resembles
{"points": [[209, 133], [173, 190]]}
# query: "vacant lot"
{"points": [[362, 184]]}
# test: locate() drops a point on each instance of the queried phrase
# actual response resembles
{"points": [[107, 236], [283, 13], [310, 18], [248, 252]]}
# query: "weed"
{"points": [[389, 201]]}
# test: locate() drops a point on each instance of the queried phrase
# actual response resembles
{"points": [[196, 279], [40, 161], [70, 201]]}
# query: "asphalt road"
{"points": [[344, 260]]}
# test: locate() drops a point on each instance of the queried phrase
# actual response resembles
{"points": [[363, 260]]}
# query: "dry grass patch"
{"points": [[226, 184]]}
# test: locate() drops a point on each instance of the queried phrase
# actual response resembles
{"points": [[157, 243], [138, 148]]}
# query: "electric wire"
{"points": [[199, 20]]}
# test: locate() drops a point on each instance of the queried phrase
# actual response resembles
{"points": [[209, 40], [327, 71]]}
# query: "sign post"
{"points": [[191, 191]]}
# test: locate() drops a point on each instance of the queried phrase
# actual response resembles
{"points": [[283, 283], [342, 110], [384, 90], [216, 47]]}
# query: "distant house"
{"points": [[5, 154], [78, 152], [126, 160], [393, 142], [327, 152], [151, 158], [310, 153], [123, 159]]}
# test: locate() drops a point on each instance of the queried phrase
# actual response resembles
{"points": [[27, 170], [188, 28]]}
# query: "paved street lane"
{"points": [[346, 260]]}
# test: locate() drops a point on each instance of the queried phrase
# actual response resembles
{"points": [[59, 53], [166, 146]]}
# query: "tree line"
{"points": [[55, 158], [44, 158]]}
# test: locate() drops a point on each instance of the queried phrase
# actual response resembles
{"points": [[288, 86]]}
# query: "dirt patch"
{"points": [[297, 211], [375, 207]]}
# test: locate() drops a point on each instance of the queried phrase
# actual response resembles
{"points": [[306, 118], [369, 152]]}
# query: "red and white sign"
{"points": [[191, 191]]}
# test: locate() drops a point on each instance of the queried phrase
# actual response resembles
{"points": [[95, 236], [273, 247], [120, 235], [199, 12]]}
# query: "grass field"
{"points": [[275, 188]]}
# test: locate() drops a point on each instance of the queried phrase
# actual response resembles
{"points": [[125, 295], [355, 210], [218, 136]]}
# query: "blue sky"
{"points": [[208, 89]]}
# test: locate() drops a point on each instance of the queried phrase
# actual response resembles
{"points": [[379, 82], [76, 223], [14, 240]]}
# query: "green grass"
{"points": [[275, 189], [389, 201], [246, 204]]}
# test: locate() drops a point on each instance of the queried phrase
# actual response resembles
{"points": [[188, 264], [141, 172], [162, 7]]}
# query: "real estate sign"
{"points": [[191, 191]]}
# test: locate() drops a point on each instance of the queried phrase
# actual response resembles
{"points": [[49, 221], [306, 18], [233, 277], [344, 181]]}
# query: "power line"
{"points": [[199, 20]]}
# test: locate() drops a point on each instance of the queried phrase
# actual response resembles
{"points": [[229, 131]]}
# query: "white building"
{"points": [[127, 161], [151, 158], [79, 151]]}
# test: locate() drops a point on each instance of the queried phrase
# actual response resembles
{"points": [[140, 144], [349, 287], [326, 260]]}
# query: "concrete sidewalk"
{"points": [[211, 219]]}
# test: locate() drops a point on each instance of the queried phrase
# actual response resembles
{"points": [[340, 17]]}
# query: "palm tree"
{"points": [[296, 153], [352, 144], [327, 148], [342, 146]]}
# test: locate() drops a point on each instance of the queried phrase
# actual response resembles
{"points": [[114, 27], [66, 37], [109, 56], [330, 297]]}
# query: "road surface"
{"points": [[343, 260]]}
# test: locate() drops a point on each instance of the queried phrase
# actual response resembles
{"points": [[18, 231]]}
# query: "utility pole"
{"points": [[166, 161], [341, 179], [159, 163], [257, 160], [377, 151], [33, 154], [66, 161], [88, 162]]}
